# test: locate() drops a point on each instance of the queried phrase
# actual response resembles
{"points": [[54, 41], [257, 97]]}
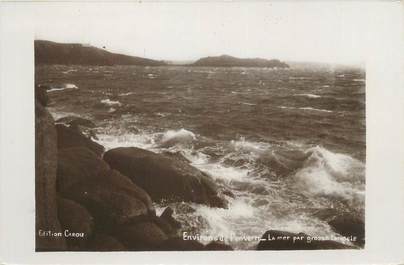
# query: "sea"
{"points": [[290, 144]]}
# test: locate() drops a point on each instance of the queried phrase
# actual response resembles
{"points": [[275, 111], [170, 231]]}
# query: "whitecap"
{"points": [[126, 94], [109, 102], [69, 71], [173, 137], [71, 86], [63, 87], [55, 89], [313, 109], [308, 95], [285, 107]]}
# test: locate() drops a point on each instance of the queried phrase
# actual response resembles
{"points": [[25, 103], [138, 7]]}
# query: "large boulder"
{"points": [[76, 121], [141, 235], [350, 225], [77, 165], [74, 218], [71, 137], [281, 240], [80, 125], [108, 205], [46, 218], [164, 178], [110, 196]]}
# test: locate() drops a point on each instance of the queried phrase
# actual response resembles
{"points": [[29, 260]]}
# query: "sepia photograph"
{"points": [[200, 126]]}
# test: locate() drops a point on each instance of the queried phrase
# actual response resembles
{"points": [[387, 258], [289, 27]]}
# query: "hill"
{"points": [[230, 61], [48, 52]]}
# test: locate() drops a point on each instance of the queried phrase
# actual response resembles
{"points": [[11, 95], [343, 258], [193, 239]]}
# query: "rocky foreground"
{"points": [[91, 200]]}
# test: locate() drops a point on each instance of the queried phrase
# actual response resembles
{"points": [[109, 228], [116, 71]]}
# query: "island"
{"points": [[230, 61]]}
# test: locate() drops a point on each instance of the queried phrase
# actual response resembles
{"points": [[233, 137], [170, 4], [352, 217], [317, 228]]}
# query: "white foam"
{"points": [[248, 104], [69, 71], [331, 174], [63, 87], [173, 137], [71, 86], [309, 95], [313, 109], [126, 94], [55, 89], [249, 146], [305, 108], [221, 222], [109, 102], [142, 140], [219, 171]]}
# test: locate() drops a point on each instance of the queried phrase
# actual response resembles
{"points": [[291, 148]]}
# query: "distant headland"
{"points": [[48, 52]]}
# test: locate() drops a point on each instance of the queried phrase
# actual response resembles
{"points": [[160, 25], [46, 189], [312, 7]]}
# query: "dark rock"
{"points": [[214, 245], [46, 218], [76, 219], [102, 242], [281, 240], [141, 236], [164, 178], [167, 216], [178, 244], [110, 196], [350, 225], [76, 121], [41, 95], [108, 206], [70, 137], [81, 125], [77, 165]]}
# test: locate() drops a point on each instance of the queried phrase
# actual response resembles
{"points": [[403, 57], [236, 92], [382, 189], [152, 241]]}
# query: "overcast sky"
{"points": [[310, 31]]}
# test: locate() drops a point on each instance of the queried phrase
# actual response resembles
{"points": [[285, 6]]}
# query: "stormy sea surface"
{"points": [[288, 143]]}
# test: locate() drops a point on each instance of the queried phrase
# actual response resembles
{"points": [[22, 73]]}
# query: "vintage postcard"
{"points": [[202, 126]]}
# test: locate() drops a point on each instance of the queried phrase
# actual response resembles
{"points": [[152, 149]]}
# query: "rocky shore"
{"points": [[91, 200]]}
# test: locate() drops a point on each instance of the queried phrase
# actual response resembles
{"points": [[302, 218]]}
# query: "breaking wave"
{"points": [[331, 174], [301, 175], [173, 137]]}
